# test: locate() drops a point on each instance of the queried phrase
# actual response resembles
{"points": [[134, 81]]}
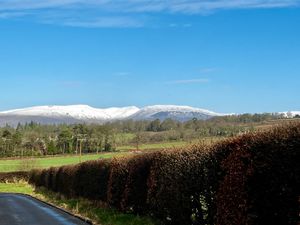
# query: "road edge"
{"points": [[84, 219]]}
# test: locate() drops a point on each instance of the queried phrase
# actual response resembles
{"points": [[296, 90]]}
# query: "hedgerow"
{"points": [[136, 189], [13, 176], [249, 179], [93, 177], [262, 183], [117, 181]]}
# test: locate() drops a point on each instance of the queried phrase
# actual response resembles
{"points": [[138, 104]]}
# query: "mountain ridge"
{"points": [[71, 114], [85, 113]]}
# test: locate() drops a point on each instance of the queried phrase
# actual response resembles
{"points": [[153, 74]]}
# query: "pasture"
{"points": [[26, 164]]}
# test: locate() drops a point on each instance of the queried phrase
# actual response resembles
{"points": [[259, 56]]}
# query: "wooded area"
{"points": [[34, 139]]}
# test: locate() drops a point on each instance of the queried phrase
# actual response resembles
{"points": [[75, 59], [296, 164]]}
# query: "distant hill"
{"points": [[84, 113]]}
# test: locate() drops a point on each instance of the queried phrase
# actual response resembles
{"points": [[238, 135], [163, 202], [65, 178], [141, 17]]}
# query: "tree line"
{"points": [[32, 139]]}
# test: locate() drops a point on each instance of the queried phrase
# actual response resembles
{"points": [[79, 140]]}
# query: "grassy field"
{"points": [[153, 146], [97, 213], [10, 165], [171, 144]]}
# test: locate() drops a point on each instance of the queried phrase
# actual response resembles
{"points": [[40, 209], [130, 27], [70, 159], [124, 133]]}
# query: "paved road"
{"points": [[23, 210]]}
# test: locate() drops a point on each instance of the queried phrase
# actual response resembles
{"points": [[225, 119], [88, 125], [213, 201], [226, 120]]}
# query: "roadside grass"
{"points": [[95, 211], [17, 187]]}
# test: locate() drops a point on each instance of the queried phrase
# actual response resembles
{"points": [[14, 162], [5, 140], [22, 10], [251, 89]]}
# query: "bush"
{"points": [[51, 178], [13, 176], [117, 181], [35, 177], [261, 183], [66, 180], [92, 179], [177, 186], [135, 193]]}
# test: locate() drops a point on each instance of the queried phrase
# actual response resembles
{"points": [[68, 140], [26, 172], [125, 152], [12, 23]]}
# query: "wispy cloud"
{"points": [[9, 15], [104, 22], [180, 25], [184, 6], [122, 13], [189, 81]]}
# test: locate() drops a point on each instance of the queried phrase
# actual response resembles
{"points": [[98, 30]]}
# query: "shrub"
{"points": [[262, 184], [35, 177], [14, 176], [51, 178], [177, 186], [66, 180], [117, 181], [92, 179], [135, 193]]}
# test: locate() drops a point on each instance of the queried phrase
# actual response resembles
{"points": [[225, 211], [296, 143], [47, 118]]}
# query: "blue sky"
{"points": [[223, 55]]}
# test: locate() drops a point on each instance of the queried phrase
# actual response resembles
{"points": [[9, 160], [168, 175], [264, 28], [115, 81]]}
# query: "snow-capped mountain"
{"points": [[291, 114], [180, 113], [80, 112], [85, 113]]}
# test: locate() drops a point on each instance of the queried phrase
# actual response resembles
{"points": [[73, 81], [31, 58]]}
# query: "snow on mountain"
{"points": [[85, 113], [181, 113], [81, 112], [291, 114]]}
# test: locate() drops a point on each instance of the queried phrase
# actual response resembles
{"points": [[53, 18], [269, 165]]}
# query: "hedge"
{"points": [[117, 182], [249, 179], [136, 190], [13, 176], [93, 176], [262, 183]]}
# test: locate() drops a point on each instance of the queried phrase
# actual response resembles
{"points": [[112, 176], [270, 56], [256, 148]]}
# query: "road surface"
{"points": [[23, 210]]}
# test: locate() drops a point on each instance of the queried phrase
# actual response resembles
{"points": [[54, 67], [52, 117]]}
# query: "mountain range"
{"points": [[86, 114]]}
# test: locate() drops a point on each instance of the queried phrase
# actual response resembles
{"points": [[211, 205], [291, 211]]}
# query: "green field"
{"points": [[9, 165], [26, 164], [153, 146], [171, 144]]}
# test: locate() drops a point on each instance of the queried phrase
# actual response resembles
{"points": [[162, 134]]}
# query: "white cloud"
{"points": [[184, 6], [105, 22], [122, 13]]}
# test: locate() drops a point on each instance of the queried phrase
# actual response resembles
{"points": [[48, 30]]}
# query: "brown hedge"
{"points": [[250, 179], [117, 181], [14, 176], [136, 190], [66, 180], [178, 191], [92, 179], [262, 183]]}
